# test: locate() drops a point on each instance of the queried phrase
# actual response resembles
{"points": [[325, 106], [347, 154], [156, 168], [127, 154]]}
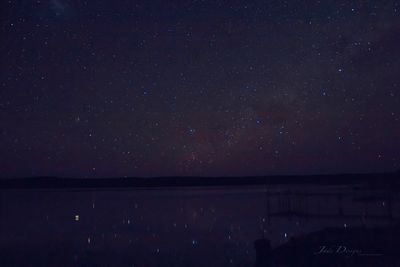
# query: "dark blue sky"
{"points": [[160, 88]]}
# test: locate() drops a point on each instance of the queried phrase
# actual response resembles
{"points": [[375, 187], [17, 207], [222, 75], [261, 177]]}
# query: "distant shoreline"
{"points": [[378, 179]]}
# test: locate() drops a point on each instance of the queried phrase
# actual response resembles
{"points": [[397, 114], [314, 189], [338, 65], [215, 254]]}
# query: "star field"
{"points": [[209, 88]]}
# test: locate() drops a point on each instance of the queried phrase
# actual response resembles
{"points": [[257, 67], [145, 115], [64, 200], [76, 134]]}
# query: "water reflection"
{"points": [[214, 226]]}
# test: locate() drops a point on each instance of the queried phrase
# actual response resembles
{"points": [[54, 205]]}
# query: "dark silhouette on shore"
{"points": [[358, 246], [263, 252]]}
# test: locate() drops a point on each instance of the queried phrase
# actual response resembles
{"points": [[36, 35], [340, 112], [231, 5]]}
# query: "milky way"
{"points": [[209, 88]]}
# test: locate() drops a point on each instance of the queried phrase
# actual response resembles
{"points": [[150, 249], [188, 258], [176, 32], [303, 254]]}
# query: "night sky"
{"points": [[198, 88]]}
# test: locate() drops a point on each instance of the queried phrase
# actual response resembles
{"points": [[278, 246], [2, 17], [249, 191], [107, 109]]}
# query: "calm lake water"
{"points": [[214, 226]]}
